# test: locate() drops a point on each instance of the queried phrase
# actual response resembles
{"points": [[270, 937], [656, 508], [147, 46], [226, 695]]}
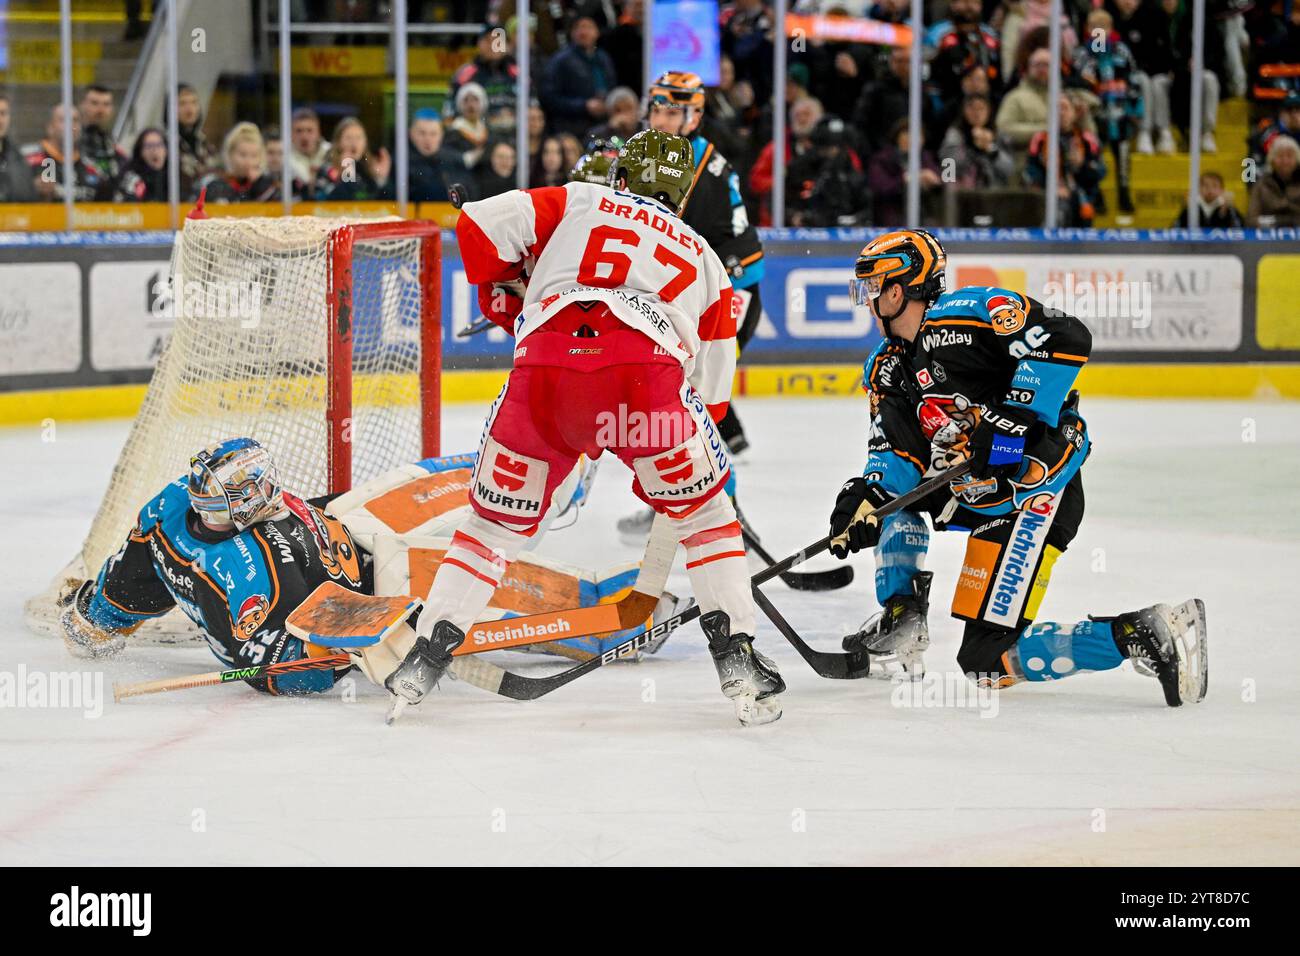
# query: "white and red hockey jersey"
{"points": [[591, 243]]}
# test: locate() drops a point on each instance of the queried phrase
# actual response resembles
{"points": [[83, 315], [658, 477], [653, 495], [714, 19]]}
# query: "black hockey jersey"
{"points": [[716, 210], [978, 347], [237, 586]]}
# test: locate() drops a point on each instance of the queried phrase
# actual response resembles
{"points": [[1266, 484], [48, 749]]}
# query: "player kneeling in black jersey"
{"points": [[236, 553], [986, 374]]}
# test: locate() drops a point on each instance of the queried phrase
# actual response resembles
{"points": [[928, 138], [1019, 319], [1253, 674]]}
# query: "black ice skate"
{"points": [[749, 680], [1169, 644], [899, 634], [423, 666]]}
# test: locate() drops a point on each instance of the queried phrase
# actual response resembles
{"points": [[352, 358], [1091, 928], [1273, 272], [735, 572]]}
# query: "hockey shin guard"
{"points": [[716, 562], [904, 540]]}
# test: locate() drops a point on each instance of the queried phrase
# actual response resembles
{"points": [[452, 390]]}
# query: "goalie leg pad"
{"points": [[379, 660]]}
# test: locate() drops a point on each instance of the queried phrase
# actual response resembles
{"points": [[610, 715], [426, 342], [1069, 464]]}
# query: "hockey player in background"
{"points": [[985, 374], [715, 209], [236, 553], [624, 341]]}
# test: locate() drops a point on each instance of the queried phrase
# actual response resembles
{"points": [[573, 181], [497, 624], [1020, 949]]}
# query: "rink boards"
{"points": [[1173, 316]]}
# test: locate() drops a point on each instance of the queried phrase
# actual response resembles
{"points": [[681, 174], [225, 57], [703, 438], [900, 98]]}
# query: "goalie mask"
{"points": [[234, 482]]}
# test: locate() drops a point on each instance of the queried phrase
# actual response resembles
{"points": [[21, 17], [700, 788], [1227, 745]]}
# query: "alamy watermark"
{"points": [[943, 689], [622, 428], [77, 908], [179, 297], [62, 690], [1099, 299]]}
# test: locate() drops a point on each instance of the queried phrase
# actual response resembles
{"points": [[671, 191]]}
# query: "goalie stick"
{"points": [[122, 691], [497, 680]]}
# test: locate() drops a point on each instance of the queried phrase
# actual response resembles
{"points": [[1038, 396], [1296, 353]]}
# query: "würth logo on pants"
{"points": [[506, 481], [509, 473], [675, 467]]}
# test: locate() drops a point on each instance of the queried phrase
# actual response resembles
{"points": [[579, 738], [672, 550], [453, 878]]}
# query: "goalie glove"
{"points": [[84, 638], [854, 525], [997, 443]]}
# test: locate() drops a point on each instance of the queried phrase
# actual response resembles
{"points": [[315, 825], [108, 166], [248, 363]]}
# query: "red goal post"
{"points": [[339, 299]]}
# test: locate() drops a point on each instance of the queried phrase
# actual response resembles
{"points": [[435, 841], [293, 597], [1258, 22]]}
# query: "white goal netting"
{"points": [[249, 355]]}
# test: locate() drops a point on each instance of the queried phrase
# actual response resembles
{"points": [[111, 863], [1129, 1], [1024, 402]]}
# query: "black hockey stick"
{"points": [[831, 579], [459, 195], [833, 665], [481, 324], [853, 664], [518, 687]]}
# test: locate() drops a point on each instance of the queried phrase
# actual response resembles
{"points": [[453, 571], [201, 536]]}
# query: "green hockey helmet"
{"points": [[657, 165], [594, 165]]}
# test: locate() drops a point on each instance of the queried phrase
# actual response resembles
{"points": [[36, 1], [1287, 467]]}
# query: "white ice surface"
{"points": [[644, 763]]}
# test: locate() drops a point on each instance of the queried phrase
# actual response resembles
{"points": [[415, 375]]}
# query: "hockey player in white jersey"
{"points": [[624, 341]]}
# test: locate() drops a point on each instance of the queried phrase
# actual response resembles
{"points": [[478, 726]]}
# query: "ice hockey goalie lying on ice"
{"points": [[236, 553]]}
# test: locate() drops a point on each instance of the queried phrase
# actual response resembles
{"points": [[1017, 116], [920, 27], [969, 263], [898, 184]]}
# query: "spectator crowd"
{"points": [[1126, 88]]}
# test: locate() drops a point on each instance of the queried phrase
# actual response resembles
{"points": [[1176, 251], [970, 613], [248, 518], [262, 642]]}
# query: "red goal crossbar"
{"points": [[339, 298]]}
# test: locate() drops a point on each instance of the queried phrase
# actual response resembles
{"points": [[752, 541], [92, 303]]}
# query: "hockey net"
{"points": [[321, 338]]}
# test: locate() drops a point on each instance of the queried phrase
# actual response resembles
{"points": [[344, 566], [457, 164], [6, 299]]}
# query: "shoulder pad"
{"points": [[175, 497], [1004, 309]]}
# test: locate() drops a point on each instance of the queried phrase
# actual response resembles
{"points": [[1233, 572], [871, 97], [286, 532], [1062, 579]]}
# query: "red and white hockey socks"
{"points": [[480, 552], [716, 562]]}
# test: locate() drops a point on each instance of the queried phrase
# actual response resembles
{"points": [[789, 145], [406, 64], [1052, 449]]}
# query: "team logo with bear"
{"points": [[252, 615], [1007, 314]]}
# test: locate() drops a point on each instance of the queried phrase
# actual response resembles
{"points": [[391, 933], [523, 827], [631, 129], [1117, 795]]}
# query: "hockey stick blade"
{"points": [[832, 579], [832, 665], [518, 687], [481, 324], [840, 665]]}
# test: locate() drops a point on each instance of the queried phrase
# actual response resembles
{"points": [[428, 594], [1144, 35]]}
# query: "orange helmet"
{"points": [[911, 257], [673, 88]]}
